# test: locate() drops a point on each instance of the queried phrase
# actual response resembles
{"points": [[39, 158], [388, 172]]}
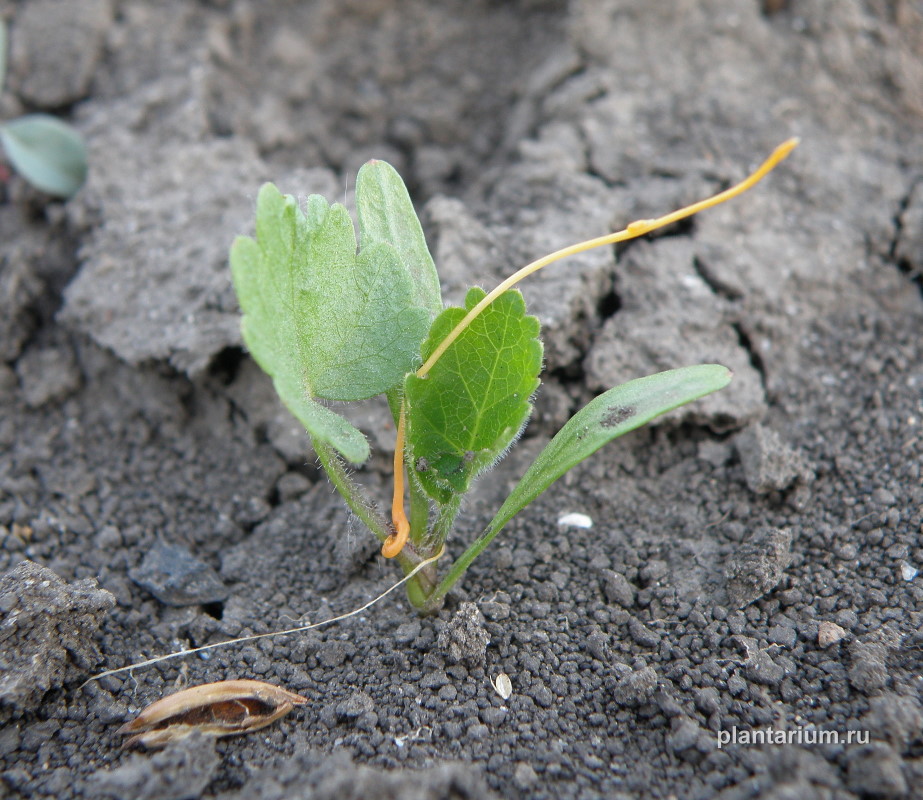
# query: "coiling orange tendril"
{"points": [[632, 231], [396, 541]]}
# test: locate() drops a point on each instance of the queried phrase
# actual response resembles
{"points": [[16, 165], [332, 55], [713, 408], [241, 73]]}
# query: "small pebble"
{"points": [[478, 731], [575, 520], [617, 589], [868, 672], [829, 633], [653, 571], [883, 497], [177, 578], [757, 566], [464, 638], [642, 635], [636, 688], [875, 770], [407, 632], [783, 634], [542, 696], [434, 680], [524, 775], [762, 669]]}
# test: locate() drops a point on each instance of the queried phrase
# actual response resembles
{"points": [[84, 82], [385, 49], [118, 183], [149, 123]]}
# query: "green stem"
{"points": [[422, 589], [421, 586], [461, 564], [419, 590], [419, 514], [445, 519], [358, 503]]}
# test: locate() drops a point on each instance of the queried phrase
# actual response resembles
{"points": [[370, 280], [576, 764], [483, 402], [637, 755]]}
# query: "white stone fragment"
{"points": [[575, 520]]}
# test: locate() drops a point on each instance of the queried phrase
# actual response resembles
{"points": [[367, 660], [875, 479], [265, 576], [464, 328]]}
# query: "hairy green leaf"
{"points": [[324, 424], [275, 347], [386, 215], [359, 318], [475, 400], [605, 418], [47, 152], [321, 320]]}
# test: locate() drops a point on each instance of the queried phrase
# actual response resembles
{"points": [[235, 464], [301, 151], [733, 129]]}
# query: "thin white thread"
{"points": [[254, 637]]}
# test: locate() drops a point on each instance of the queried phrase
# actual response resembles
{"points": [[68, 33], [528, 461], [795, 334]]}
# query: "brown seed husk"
{"points": [[224, 708]]}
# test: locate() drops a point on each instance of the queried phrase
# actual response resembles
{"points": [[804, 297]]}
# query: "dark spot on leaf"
{"points": [[422, 465], [616, 416]]}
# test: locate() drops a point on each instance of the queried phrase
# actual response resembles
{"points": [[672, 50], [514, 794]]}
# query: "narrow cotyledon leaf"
{"points": [[612, 414]]}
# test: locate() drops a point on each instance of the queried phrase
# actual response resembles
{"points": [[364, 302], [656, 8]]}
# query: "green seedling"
{"points": [[47, 152], [330, 322]]}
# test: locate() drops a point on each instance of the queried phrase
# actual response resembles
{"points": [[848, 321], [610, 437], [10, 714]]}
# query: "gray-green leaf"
{"points": [[47, 152], [386, 215], [275, 348], [366, 332], [321, 320]]}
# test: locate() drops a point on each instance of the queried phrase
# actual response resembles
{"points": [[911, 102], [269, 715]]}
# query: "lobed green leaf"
{"points": [[386, 214], [475, 400], [321, 320], [47, 152]]}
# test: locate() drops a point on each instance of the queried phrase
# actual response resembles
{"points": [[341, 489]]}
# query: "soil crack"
{"points": [[756, 360], [718, 286], [904, 247]]}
